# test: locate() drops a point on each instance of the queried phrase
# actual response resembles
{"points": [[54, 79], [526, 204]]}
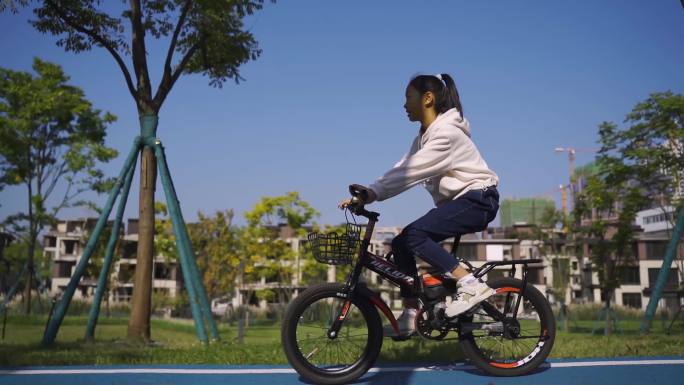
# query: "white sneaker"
{"points": [[407, 324], [468, 296]]}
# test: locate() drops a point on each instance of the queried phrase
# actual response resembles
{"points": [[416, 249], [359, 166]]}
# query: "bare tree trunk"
{"points": [[241, 303], [139, 325], [107, 309], [608, 292], [29, 275], [609, 324], [241, 324], [31, 251]]}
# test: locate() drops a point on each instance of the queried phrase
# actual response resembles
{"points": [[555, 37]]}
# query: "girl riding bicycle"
{"points": [[445, 160]]}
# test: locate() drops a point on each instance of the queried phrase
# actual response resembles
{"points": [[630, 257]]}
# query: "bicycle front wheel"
{"points": [[510, 345], [324, 359]]}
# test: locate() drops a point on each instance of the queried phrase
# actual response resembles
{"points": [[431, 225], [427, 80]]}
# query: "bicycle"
{"points": [[332, 333]]}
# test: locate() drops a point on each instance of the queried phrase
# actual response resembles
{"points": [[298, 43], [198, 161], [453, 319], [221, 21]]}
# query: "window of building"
{"points": [[655, 250], [50, 241], [274, 278], [630, 275], [577, 294], [672, 278], [631, 300], [658, 218], [129, 250], [574, 265], [123, 293], [162, 271], [63, 269], [69, 246]]}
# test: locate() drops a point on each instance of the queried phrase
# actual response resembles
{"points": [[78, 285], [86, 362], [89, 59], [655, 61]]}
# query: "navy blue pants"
{"points": [[469, 213]]}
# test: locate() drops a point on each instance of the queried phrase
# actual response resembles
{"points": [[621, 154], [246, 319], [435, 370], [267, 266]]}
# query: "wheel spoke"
{"points": [[323, 352], [511, 345]]}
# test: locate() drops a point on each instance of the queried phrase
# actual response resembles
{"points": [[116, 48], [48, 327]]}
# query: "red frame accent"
{"points": [[507, 289], [345, 309], [429, 280], [504, 366], [380, 304], [512, 364]]}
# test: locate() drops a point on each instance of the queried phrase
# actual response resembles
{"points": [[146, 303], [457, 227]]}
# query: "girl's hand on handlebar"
{"points": [[345, 203], [371, 197]]}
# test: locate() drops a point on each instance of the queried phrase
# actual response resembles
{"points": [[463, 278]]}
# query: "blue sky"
{"points": [[322, 107]]}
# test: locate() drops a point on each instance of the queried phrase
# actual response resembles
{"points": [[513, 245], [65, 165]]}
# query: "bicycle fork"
{"points": [[366, 294]]}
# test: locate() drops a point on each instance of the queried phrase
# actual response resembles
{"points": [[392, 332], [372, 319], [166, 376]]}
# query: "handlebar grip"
{"points": [[356, 190]]}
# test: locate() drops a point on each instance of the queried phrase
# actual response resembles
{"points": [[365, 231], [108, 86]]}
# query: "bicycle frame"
{"points": [[390, 272]]}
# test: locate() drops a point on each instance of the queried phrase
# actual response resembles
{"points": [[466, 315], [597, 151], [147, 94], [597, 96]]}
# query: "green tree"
{"points": [[267, 254], [552, 249], [264, 253], [12, 262], [215, 241], [207, 37], [638, 167], [165, 239], [649, 152], [604, 215], [50, 136]]}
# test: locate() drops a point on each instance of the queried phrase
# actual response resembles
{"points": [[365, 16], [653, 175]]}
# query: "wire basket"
{"points": [[336, 249]]}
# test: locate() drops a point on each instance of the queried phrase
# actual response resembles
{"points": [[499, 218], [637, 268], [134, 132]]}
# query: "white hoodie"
{"points": [[444, 158]]}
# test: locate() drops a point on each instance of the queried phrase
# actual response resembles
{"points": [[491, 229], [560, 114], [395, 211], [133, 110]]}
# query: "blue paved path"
{"points": [[622, 371]]}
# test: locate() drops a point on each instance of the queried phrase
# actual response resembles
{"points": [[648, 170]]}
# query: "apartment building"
{"points": [[65, 242], [637, 272]]}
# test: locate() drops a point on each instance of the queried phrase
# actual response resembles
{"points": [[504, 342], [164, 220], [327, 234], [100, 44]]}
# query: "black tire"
{"points": [[471, 344], [368, 353]]}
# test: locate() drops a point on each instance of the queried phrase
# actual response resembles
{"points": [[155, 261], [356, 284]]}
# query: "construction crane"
{"points": [[572, 151], [552, 194]]}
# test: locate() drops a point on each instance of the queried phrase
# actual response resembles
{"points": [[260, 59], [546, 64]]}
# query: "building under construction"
{"points": [[524, 210]]}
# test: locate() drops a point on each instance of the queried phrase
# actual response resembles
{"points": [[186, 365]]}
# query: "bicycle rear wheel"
{"points": [[320, 358], [510, 346]]}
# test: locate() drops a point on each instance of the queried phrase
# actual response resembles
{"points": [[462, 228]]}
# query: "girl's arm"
{"points": [[435, 158]]}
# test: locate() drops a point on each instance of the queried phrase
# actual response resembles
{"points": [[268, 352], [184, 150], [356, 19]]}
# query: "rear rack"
{"points": [[488, 266]]}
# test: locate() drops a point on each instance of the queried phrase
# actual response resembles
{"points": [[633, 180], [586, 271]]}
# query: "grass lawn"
{"points": [[176, 343]]}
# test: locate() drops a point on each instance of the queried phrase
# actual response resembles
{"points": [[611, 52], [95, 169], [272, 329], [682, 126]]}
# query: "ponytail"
{"points": [[451, 98]]}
